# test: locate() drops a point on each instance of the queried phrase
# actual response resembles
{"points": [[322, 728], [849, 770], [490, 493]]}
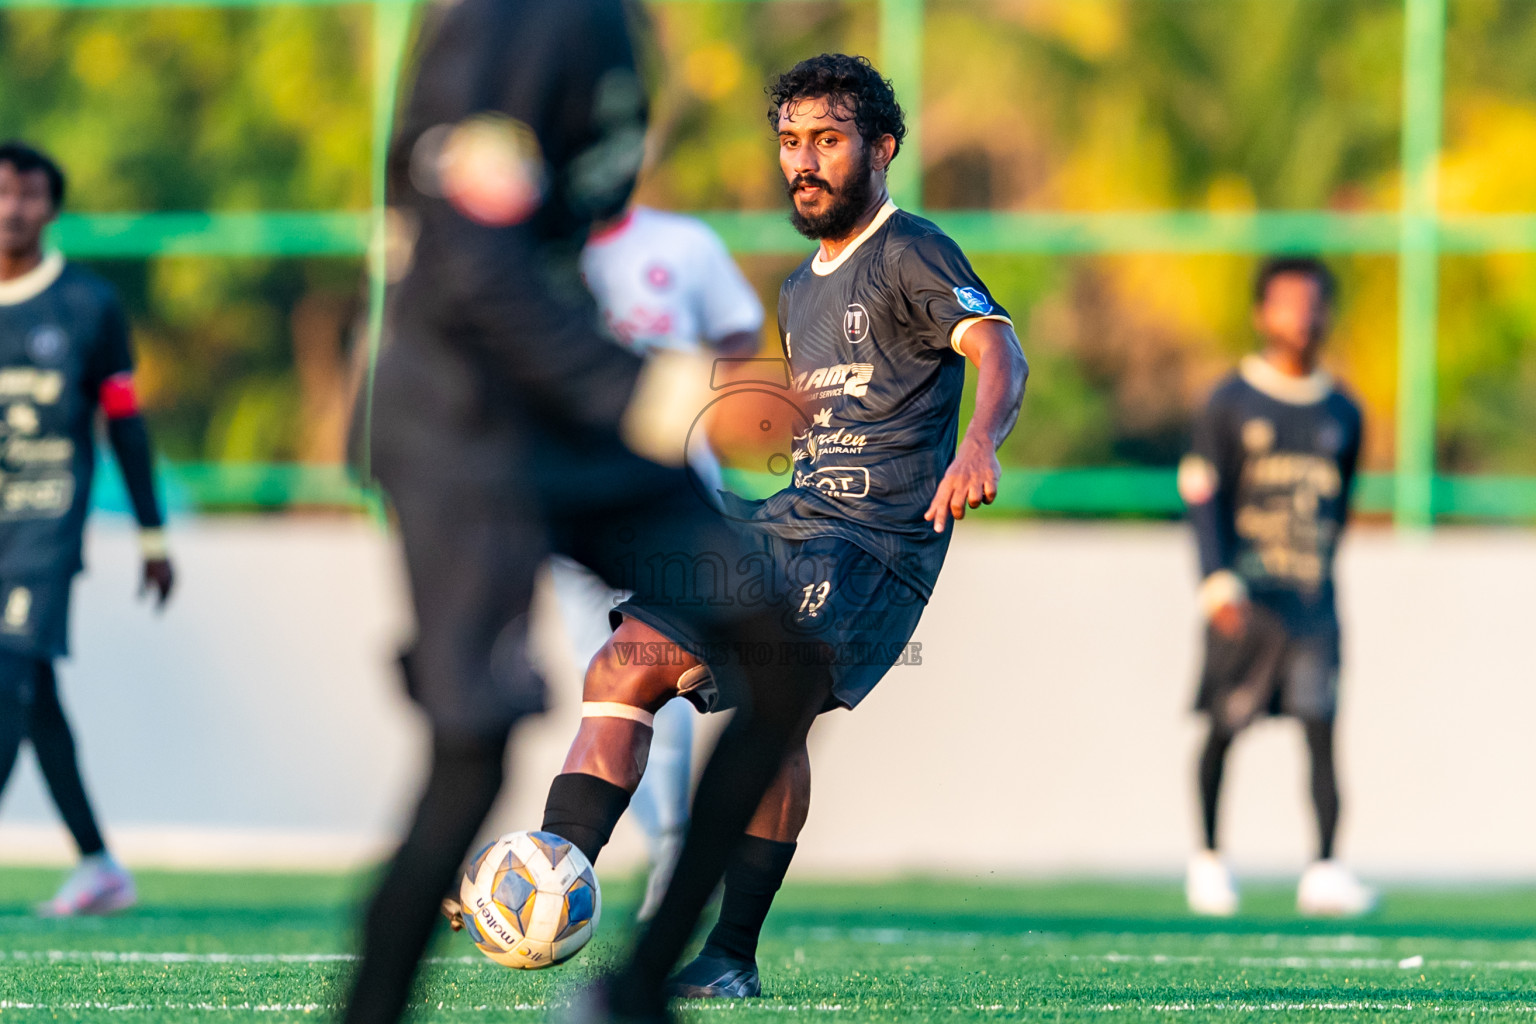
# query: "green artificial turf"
{"points": [[273, 948]]}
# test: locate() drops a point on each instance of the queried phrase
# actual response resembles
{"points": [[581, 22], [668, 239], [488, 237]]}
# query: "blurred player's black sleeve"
{"points": [[1208, 479], [526, 123], [111, 381], [1349, 463]]}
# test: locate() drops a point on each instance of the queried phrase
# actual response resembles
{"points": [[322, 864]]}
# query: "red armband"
{"points": [[119, 399]]}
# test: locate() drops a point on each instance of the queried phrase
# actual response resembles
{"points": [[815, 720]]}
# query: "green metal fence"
{"points": [[1417, 234]]}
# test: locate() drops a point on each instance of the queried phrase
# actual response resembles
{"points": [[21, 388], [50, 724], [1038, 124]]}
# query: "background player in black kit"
{"points": [[1268, 485], [65, 356], [508, 426], [877, 326]]}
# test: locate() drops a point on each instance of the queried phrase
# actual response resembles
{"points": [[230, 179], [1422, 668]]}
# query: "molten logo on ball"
{"points": [[530, 900]]}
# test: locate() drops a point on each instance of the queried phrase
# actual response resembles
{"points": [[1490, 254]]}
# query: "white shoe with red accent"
{"points": [[98, 885], [1209, 886], [1329, 889]]}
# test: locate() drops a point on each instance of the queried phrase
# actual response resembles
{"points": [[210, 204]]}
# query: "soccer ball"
{"points": [[530, 900]]}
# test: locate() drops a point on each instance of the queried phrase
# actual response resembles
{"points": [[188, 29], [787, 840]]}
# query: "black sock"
{"points": [[583, 809], [466, 776], [754, 874], [54, 745], [1212, 761], [1325, 785], [746, 760]]}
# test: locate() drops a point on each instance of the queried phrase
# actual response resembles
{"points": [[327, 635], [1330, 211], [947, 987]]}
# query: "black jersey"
{"points": [[526, 122], [1268, 483], [62, 336], [870, 339]]}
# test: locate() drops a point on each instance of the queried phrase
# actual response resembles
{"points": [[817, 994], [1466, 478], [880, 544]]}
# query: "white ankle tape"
{"points": [[613, 709]]}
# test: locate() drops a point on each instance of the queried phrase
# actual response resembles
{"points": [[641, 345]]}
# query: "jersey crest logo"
{"points": [[856, 323], [658, 277], [837, 481], [46, 344], [973, 300], [1330, 438]]}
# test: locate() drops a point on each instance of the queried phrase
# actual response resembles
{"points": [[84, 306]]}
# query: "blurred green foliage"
{"points": [[207, 109], [1090, 105]]}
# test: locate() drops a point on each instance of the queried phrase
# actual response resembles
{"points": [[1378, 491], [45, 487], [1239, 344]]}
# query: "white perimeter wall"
{"points": [[259, 721]]}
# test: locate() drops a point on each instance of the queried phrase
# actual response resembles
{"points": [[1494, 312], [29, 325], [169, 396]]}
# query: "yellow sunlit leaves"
{"points": [[1487, 162], [714, 70], [1093, 28], [100, 58]]}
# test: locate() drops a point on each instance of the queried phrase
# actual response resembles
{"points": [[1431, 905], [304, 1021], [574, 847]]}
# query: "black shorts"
{"points": [[1269, 671], [474, 547], [34, 617], [839, 605]]}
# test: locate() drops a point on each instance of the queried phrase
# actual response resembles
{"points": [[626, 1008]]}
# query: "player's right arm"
{"points": [[1208, 478]]}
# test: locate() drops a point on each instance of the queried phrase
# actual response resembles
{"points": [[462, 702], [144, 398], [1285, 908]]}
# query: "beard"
{"points": [[847, 206]]}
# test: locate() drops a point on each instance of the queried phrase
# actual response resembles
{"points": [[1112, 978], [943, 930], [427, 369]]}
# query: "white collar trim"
{"points": [[1282, 387], [823, 267], [34, 282]]}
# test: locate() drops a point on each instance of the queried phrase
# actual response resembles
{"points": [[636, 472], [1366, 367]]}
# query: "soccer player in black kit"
{"points": [[1267, 484], [877, 326], [507, 426], [65, 362]]}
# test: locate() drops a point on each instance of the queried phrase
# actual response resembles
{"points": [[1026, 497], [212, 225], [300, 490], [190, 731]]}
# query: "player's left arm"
{"points": [[129, 437], [1001, 374]]}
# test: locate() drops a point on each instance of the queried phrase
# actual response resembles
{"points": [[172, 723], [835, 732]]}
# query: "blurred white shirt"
{"points": [[664, 280]]}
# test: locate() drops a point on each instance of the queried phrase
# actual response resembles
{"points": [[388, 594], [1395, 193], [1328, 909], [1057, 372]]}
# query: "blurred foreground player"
{"points": [[663, 282], [509, 427], [65, 356], [877, 325], [1268, 485]]}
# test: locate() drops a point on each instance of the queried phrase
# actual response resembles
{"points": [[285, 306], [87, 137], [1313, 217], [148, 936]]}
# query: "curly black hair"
{"points": [[853, 84], [26, 159], [1310, 266]]}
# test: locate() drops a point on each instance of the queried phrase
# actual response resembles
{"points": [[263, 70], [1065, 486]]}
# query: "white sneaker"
{"points": [[665, 853], [1209, 887], [1329, 889], [98, 885]]}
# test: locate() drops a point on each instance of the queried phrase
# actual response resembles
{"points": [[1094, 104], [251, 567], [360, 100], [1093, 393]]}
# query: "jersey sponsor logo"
{"points": [[833, 442], [837, 481], [842, 379], [18, 610], [1258, 435], [47, 344], [856, 323], [45, 497], [973, 300], [822, 418], [640, 328], [41, 386], [22, 418], [40, 451]]}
